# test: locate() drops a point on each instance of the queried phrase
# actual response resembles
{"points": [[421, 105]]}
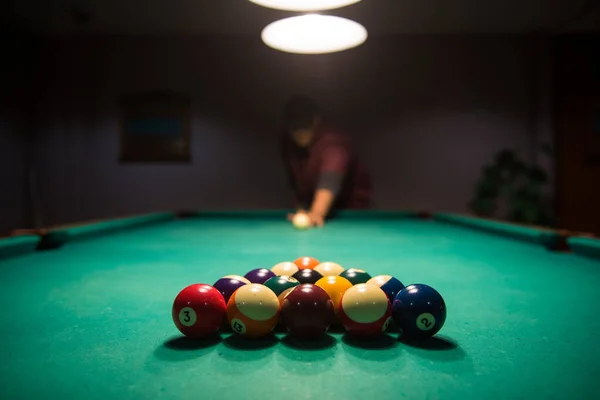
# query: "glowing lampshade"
{"points": [[314, 34], [304, 5]]}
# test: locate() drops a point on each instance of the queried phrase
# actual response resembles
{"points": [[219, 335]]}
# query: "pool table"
{"points": [[86, 310]]}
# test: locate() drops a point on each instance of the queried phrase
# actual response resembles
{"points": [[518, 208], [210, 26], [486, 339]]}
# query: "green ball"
{"points": [[356, 276], [279, 284]]}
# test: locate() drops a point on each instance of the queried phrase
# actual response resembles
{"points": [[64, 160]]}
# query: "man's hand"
{"points": [[315, 219], [291, 216], [321, 205]]}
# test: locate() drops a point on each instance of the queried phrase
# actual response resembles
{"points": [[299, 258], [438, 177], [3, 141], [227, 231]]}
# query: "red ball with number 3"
{"points": [[199, 310]]}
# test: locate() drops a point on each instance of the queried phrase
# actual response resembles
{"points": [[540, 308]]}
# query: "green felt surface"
{"points": [[92, 320], [17, 245], [547, 238], [585, 246]]}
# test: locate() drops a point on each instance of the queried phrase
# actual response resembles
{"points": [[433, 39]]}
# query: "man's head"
{"points": [[300, 119]]}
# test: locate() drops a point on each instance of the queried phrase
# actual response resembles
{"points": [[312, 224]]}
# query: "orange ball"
{"points": [[284, 294], [306, 262], [282, 297], [253, 310], [335, 286]]}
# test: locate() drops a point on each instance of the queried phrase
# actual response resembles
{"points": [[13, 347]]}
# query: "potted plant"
{"points": [[521, 185]]}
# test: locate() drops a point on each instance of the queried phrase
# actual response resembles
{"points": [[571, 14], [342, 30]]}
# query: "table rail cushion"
{"points": [[281, 214], [18, 245], [379, 214], [586, 246], [234, 214], [57, 236], [546, 237]]}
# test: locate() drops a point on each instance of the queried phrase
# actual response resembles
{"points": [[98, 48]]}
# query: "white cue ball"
{"points": [[301, 221]]}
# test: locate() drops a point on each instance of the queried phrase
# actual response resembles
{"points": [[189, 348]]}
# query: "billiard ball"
{"points": [[301, 221], [307, 276], [284, 294], [199, 310], [253, 310], [419, 311], [238, 277], [282, 297], [390, 285], [306, 262], [365, 310], [229, 284], [335, 286], [279, 284], [356, 276], [285, 268], [329, 268], [307, 311], [259, 275]]}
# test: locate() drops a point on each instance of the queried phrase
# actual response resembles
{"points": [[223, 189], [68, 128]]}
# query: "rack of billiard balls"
{"points": [[307, 297]]}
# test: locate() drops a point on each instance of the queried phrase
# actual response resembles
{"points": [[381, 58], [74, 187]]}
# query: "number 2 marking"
{"points": [[425, 321]]}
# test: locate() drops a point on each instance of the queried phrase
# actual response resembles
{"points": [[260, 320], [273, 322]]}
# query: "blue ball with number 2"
{"points": [[419, 310]]}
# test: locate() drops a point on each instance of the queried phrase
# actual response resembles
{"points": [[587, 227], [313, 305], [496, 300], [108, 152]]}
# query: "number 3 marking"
{"points": [[187, 316]]}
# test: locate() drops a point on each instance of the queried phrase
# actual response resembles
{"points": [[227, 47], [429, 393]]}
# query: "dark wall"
{"points": [[14, 93], [578, 132], [12, 170], [426, 112]]}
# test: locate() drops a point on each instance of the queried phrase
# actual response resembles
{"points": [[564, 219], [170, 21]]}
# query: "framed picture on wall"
{"points": [[155, 127]]}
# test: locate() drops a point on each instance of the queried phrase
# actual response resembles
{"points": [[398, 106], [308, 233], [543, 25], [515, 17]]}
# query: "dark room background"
{"points": [[14, 131], [426, 112]]}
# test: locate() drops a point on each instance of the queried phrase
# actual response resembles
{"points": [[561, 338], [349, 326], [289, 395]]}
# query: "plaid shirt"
{"points": [[330, 154]]}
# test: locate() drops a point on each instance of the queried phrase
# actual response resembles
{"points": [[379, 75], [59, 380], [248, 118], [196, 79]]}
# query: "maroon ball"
{"points": [[307, 311], [259, 275]]}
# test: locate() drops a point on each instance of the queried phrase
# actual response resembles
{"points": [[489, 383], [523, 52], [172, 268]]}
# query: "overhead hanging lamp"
{"points": [[314, 34], [304, 5]]}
